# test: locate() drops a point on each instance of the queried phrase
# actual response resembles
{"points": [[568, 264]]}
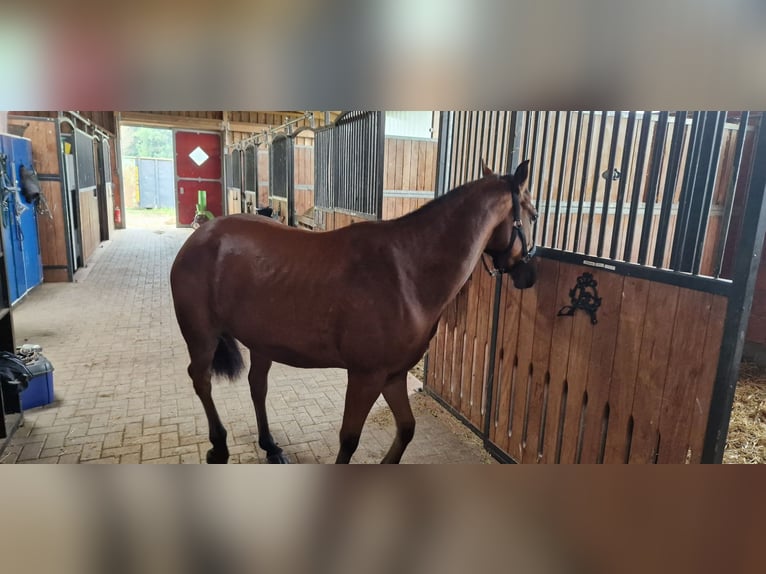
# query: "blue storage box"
{"points": [[39, 391]]}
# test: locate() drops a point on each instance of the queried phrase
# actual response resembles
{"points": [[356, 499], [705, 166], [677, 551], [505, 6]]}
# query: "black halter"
{"points": [[500, 256]]}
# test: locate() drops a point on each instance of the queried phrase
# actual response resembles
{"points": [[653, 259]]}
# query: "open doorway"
{"points": [[148, 177]]}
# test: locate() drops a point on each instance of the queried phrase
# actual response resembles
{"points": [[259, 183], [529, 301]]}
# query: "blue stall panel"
{"points": [[6, 148], [33, 268], [18, 222]]}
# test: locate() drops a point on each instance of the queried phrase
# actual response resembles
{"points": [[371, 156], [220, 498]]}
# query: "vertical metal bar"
{"points": [[706, 197], [584, 181], [695, 195], [692, 163], [627, 148], [564, 155], [478, 144], [543, 239], [365, 190], [381, 127], [533, 163], [596, 179], [454, 150], [466, 167], [501, 118], [572, 176], [492, 143], [671, 179], [348, 182], [608, 186], [343, 159], [514, 153], [653, 183], [507, 131], [643, 142], [449, 178], [457, 144], [441, 162], [490, 382], [746, 264], [527, 133], [731, 192], [541, 168]]}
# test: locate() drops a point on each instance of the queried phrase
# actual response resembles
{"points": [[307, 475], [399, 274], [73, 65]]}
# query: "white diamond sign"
{"points": [[198, 156]]}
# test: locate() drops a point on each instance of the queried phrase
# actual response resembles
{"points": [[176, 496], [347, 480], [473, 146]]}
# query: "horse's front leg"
{"points": [[362, 391]]}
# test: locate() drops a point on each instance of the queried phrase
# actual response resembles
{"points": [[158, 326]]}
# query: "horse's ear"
{"points": [[485, 170], [522, 172]]}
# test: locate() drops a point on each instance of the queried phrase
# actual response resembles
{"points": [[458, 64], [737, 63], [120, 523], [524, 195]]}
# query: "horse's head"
{"points": [[511, 245]]}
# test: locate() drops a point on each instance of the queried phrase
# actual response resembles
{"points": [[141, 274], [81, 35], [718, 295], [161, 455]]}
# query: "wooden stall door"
{"points": [[198, 167]]}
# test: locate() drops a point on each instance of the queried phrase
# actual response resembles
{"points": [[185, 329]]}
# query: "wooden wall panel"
{"points": [[233, 202], [280, 209], [303, 169], [52, 231], [634, 387], [44, 145], [263, 176], [394, 207], [91, 234], [409, 165]]}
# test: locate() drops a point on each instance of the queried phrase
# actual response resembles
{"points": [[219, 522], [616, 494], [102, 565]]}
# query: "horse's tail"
{"points": [[227, 361]]}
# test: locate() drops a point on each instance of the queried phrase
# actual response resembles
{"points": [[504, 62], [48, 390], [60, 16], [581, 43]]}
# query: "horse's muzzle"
{"points": [[524, 275]]}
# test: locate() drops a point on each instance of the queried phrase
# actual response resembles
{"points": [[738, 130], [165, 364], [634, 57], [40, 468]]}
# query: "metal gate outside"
{"points": [[655, 220], [156, 186]]}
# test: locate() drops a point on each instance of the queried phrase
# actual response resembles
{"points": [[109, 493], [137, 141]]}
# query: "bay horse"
{"points": [[366, 298]]}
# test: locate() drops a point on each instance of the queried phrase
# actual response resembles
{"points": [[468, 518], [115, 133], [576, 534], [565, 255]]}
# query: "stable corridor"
{"points": [[123, 395]]}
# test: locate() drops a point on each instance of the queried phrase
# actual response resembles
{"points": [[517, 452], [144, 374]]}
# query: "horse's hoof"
{"points": [[278, 458], [215, 457]]}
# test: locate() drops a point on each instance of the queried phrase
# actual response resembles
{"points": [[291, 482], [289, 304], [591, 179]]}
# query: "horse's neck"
{"points": [[450, 239]]}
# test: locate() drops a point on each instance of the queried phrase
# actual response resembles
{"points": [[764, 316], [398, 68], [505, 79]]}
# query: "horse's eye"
{"points": [[533, 218]]}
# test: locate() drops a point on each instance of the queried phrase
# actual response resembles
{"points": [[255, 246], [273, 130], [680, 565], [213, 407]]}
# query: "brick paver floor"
{"points": [[123, 396]]}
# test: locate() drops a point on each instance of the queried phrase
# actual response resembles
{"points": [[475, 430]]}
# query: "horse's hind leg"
{"points": [[395, 393], [259, 386], [201, 374], [361, 394]]}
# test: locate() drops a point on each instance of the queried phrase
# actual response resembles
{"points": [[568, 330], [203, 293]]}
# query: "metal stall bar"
{"points": [[596, 179], [730, 194], [702, 224], [572, 178], [560, 184], [746, 265], [654, 181], [609, 176], [551, 171], [671, 179], [624, 168], [687, 190], [584, 181], [443, 161]]}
